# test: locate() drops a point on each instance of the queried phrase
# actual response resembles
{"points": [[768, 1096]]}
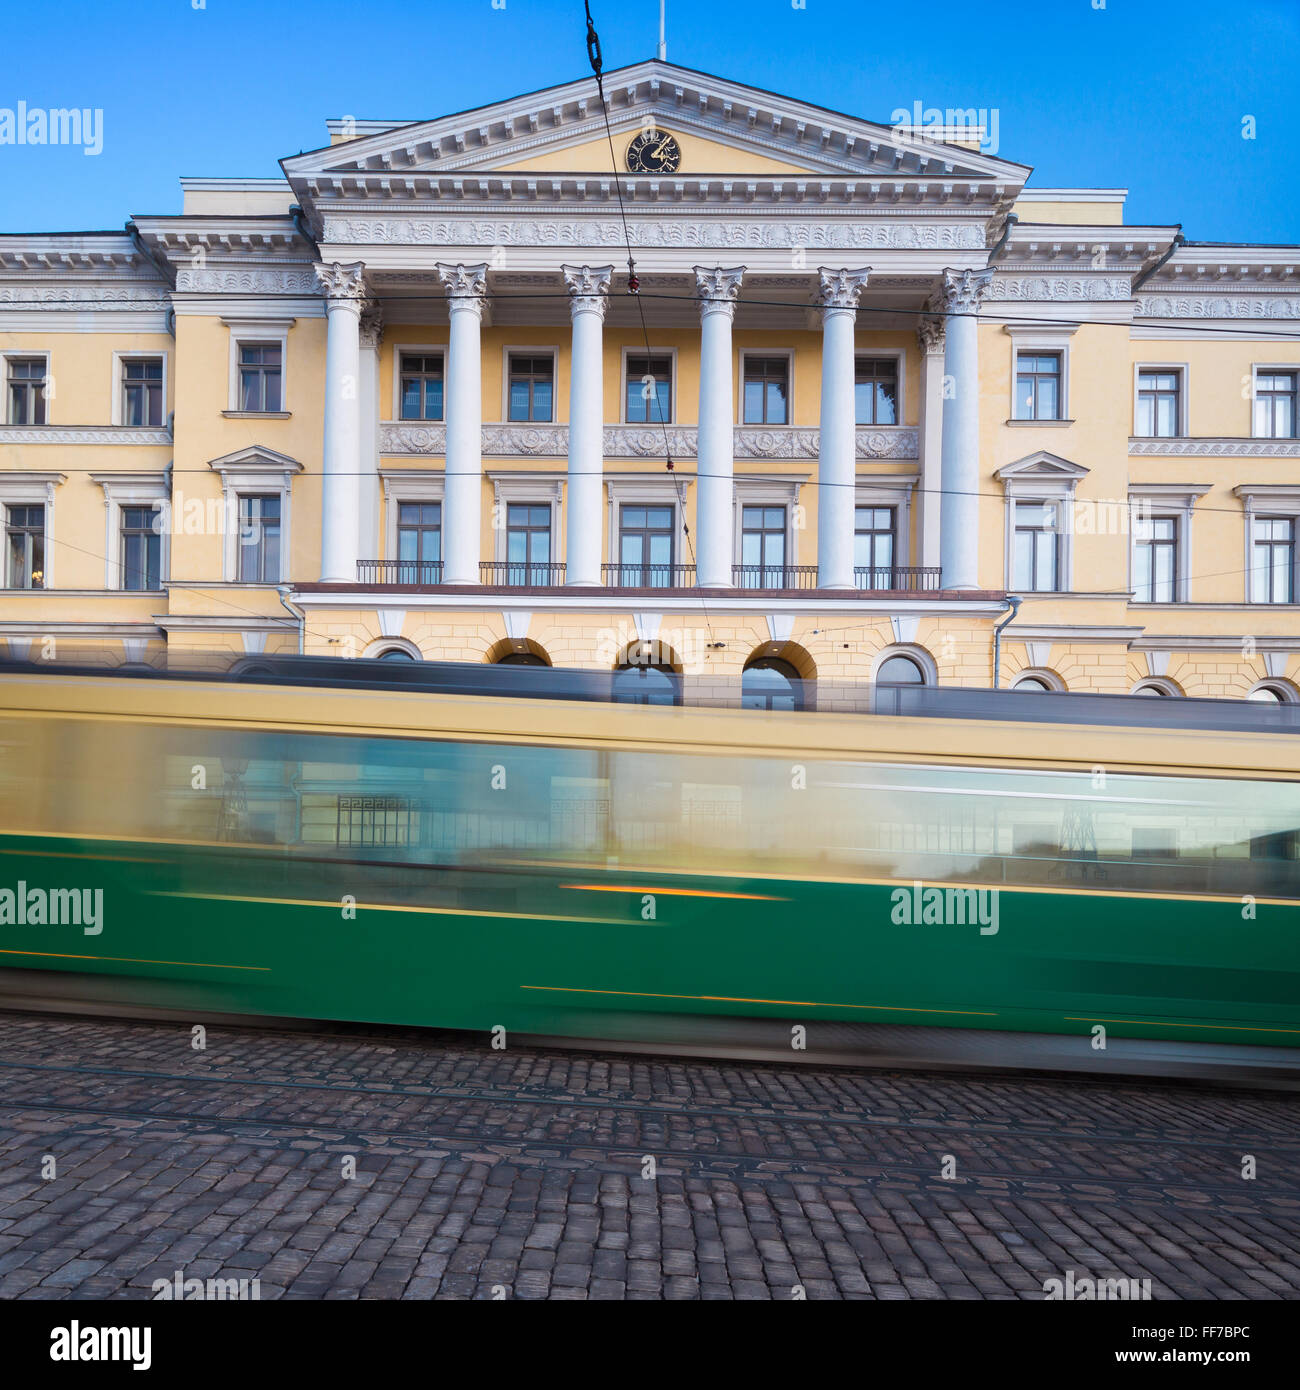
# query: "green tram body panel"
{"points": [[557, 951]]}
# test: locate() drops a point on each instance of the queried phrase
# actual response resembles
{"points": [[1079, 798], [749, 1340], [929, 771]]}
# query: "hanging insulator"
{"points": [[633, 284]]}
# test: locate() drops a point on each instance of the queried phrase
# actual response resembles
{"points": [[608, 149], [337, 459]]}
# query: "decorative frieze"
{"points": [[142, 295], [214, 280], [662, 233], [1215, 448], [1224, 306], [638, 441], [82, 434], [1051, 288]]}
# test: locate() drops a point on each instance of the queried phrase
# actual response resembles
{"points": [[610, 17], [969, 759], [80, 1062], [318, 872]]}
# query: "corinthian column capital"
{"points": [[963, 291], [342, 282], [588, 287], [372, 324], [466, 285], [840, 289], [930, 334], [718, 288]]}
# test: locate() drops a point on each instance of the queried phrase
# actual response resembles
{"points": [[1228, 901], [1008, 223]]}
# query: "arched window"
{"points": [[1153, 688], [646, 685], [396, 654], [1270, 694], [900, 670], [770, 683], [1032, 684], [521, 659]]}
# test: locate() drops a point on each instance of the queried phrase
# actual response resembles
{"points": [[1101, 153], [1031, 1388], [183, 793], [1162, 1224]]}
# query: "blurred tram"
{"points": [[549, 853]]}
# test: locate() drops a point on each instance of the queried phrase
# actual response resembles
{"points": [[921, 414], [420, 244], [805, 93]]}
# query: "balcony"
{"points": [[510, 574]]}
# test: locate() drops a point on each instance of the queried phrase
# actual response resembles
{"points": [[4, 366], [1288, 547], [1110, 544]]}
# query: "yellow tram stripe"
{"points": [[334, 906], [671, 892], [134, 960], [1160, 1023], [738, 999]]}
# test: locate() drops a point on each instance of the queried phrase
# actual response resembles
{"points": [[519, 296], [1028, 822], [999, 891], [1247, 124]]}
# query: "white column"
{"points": [[588, 287], [715, 506], [959, 542], [837, 450], [372, 332], [930, 336], [462, 507], [344, 287]]}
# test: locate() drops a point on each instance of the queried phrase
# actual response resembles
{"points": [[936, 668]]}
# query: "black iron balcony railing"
{"points": [[520, 574], [399, 572], [630, 576], [512, 574], [906, 577]]}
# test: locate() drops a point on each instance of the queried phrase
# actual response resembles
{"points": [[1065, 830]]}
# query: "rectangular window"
{"points": [[26, 390], [532, 387], [762, 548], [1273, 557], [1155, 560], [1038, 386], [141, 548], [422, 386], [649, 390], [25, 547], [875, 391], [142, 391], [259, 540], [766, 390], [528, 543], [419, 542], [645, 547], [873, 547], [1275, 405], [260, 367], [1159, 404], [1037, 547]]}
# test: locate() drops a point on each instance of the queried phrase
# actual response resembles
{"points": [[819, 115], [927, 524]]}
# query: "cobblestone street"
{"points": [[534, 1173]]}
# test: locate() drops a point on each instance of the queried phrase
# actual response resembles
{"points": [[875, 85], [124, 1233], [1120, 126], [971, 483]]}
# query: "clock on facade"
{"points": [[654, 152]]}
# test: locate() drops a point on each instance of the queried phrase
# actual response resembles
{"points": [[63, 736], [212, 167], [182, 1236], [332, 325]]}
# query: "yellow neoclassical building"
{"points": [[404, 400]]}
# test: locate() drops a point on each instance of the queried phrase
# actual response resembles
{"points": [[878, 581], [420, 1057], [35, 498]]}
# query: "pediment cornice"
{"points": [[475, 145]]}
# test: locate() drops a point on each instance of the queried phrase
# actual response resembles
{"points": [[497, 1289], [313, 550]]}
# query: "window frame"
{"points": [[250, 331], [745, 355], [14, 354], [248, 472], [403, 350], [899, 358], [133, 490], [120, 360], [529, 350], [1265, 501], [1291, 369], [627, 352], [1181, 371], [1058, 376], [1040, 340], [30, 489]]}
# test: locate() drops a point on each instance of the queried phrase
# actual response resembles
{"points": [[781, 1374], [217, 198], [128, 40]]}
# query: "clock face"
{"points": [[654, 152]]}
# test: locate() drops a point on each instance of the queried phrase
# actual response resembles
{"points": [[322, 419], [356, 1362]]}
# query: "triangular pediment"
{"points": [[1041, 464], [722, 128]]}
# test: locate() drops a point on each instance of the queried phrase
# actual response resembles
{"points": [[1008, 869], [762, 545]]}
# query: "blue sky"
{"points": [[1138, 94]]}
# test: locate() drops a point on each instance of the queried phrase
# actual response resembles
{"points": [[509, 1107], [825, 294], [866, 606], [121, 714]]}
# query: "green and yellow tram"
{"points": [[590, 868]]}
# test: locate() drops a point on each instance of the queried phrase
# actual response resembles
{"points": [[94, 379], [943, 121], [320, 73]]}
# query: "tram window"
{"points": [[770, 683]]}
